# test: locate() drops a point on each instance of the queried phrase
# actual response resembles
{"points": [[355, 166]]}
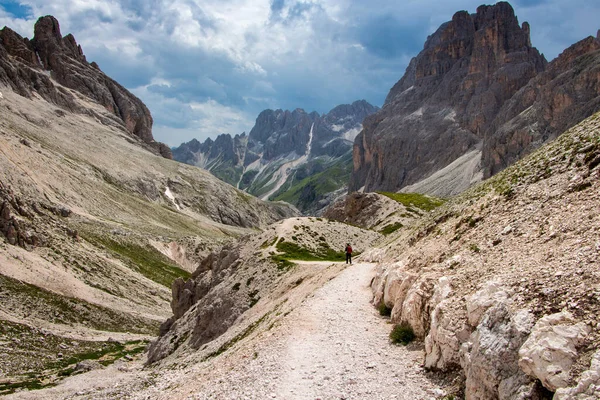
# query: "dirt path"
{"points": [[334, 346]]}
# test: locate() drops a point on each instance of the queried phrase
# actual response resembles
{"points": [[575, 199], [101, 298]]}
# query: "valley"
{"points": [[215, 270]]}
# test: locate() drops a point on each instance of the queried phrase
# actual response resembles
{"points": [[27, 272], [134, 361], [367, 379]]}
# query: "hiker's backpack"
{"points": [[349, 250]]}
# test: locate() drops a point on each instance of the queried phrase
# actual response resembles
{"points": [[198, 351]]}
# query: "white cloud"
{"points": [[208, 67]]}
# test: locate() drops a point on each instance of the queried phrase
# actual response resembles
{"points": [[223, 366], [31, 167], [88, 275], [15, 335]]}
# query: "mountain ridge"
{"points": [[275, 155], [51, 66]]}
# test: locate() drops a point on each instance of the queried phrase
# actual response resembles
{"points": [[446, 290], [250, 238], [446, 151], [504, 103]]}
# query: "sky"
{"points": [[206, 67]]}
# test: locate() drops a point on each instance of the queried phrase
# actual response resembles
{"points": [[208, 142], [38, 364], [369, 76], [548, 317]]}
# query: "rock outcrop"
{"points": [[565, 94], [50, 64], [551, 349], [227, 287], [501, 282], [447, 99]]}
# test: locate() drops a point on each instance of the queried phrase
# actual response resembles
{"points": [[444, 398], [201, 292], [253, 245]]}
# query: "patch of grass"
{"points": [[474, 248], [305, 192], [268, 243], [409, 200], [39, 352], [402, 334], [282, 263], [292, 251], [391, 228], [55, 308], [236, 287], [146, 260]]}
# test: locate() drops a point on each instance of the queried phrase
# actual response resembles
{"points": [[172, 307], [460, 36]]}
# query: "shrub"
{"points": [[402, 334], [384, 310]]}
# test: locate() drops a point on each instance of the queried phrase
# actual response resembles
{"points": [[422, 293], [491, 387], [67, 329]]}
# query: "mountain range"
{"points": [[285, 155]]}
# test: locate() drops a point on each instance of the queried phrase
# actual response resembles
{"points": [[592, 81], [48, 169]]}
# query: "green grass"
{"points": [[305, 192], [146, 260], [391, 228], [44, 367], [384, 310], [227, 173], [409, 200], [402, 334], [292, 251]]}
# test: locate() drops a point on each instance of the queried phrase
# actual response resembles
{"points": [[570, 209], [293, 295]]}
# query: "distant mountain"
{"points": [[54, 67], [286, 154], [476, 99]]}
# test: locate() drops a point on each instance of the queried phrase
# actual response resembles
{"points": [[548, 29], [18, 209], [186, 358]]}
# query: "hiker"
{"points": [[348, 253]]}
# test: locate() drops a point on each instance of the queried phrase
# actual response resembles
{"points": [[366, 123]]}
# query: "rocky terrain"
{"points": [[501, 283], [54, 67], [95, 228], [302, 158], [230, 282], [477, 98]]}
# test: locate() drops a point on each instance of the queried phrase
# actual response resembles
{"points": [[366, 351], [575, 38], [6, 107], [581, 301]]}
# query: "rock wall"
{"points": [[501, 283], [446, 100]]}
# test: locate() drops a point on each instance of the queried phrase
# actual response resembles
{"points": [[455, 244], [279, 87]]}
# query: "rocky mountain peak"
{"points": [[449, 96], [26, 67]]}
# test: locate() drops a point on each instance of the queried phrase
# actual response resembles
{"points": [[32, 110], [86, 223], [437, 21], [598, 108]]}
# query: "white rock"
{"points": [[551, 349], [588, 386], [393, 284], [490, 356], [415, 310], [442, 343], [477, 304]]}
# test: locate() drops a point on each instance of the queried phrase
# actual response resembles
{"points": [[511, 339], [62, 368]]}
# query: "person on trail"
{"points": [[348, 253]]}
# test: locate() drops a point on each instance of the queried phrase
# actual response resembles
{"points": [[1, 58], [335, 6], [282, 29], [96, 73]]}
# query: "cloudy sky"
{"points": [[206, 67]]}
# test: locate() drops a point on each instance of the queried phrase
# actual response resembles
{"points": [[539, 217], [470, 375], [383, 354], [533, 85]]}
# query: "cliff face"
{"points": [[449, 96], [50, 64], [555, 100]]}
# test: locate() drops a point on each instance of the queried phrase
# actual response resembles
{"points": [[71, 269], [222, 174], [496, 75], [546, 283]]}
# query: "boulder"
{"points": [[490, 357], [478, 303], [551, 349], [447, 330]]}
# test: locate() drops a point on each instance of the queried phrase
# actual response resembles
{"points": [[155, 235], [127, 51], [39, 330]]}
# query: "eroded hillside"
{"points": [[96, 229], [502, 282]]}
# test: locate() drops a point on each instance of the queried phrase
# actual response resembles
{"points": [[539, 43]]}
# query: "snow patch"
{"points": [[284, 171], [170, 196], [337, 128], [351, 134]]}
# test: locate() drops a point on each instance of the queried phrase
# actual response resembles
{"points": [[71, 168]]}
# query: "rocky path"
{"points": [[334, 346]]}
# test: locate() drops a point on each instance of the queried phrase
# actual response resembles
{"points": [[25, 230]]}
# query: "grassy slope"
{"points": [[318, 185]]}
